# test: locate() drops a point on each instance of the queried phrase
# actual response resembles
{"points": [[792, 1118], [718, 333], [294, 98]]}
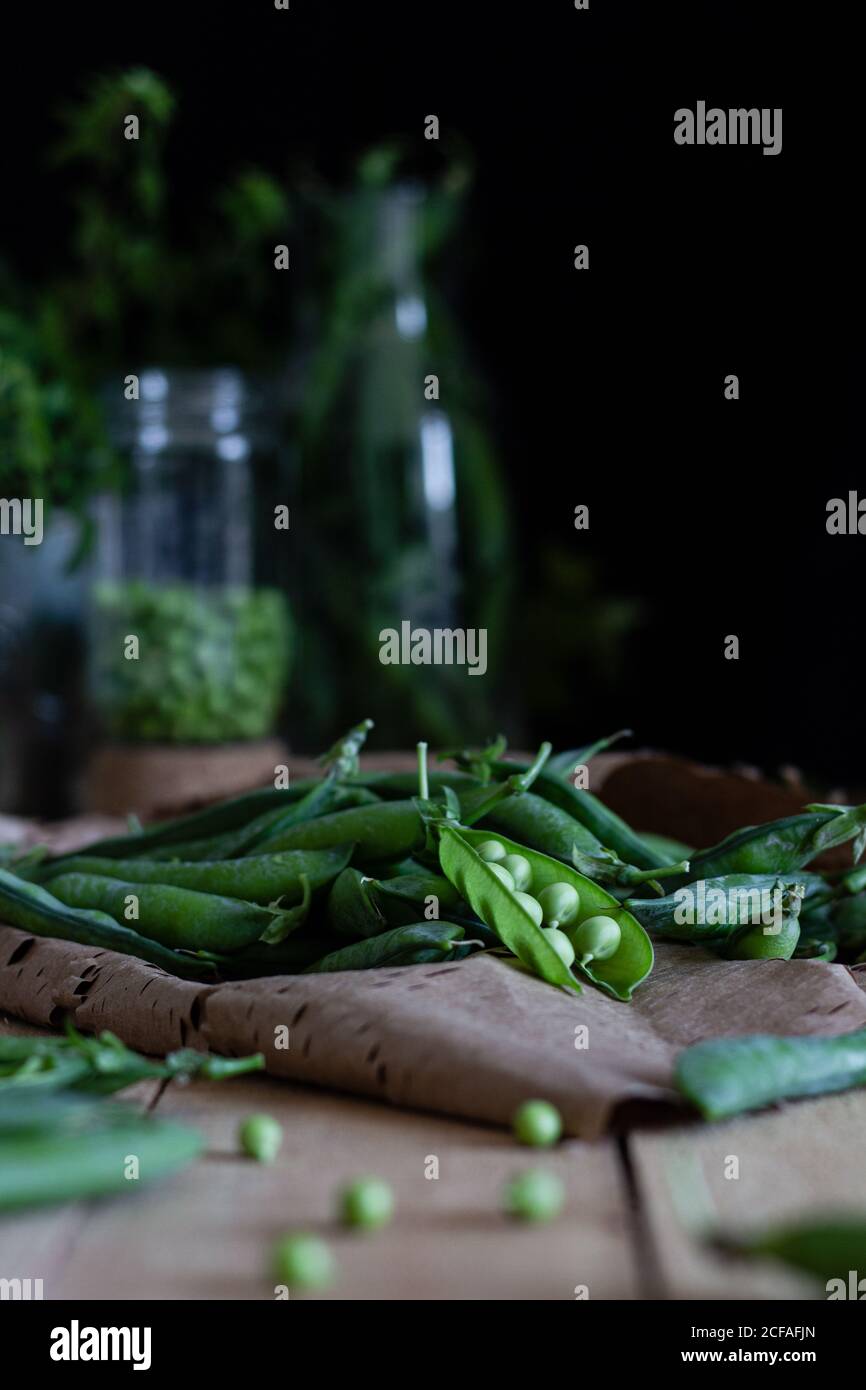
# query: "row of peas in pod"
{"points": [[555, 909]]}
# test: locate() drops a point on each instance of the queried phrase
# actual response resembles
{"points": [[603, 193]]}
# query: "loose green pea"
{"points": [[520, 871], [492, 851], [597, 938], [261, 1136], [367, 1203], [535, 1195], [504, 876], [560, 904], [303, 1262], [537, 1123], [532, 906], [561, 945]]}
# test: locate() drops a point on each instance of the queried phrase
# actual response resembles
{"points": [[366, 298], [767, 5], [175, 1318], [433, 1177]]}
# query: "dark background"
{"points": [[605, 388]]}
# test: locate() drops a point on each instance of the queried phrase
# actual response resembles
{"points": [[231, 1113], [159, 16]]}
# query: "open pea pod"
{"points": [[619, 976]]}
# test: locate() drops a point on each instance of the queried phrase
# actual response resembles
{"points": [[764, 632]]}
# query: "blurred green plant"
{"points": [[133, 288]]}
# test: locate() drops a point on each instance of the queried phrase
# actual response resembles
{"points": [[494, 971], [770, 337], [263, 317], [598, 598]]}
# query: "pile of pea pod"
{"points": [[355, 870]]}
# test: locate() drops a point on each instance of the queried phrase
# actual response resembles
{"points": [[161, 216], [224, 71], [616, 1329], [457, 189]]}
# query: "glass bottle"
{"points": [[404, 513]]}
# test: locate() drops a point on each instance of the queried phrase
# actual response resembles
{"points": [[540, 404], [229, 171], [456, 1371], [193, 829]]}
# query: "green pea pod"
{"points": [[406, 899], [176, 917], [619, 976], [33, 909], [607, 828], [779, 846], [291, 957], [261, 878], [855, 881], [351, 909], [388, 830], [833, 1251], [765, 943], [731, 1075], [327, 797], [413, 892], [711, 909], [537, 822], [431, 955], [826, 951], [849, 923], [259, 835], [68, 1166], [228, 815], [391, 948]]}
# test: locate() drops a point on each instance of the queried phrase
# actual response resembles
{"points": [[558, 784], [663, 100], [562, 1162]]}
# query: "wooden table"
{"points": [[207, 1232]]}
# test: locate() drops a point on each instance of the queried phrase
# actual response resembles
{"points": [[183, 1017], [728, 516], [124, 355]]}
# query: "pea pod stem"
{"points": [[476, 808], [605, 866], [423, 780]]}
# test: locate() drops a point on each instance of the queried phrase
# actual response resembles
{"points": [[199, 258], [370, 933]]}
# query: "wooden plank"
{"points": [[800, 1160], [208, 1232]]}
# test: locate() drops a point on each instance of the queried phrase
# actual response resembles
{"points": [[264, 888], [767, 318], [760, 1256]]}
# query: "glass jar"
{"points": [[184, 647]]}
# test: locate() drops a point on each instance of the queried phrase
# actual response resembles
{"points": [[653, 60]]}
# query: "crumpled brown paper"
{"points": [[471, 1039]]}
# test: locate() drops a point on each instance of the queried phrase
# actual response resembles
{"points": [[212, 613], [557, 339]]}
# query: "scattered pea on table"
{"points": [[366, 1204], [537, 1123], [260, 1137], [535, 1196], [304, 1261]]}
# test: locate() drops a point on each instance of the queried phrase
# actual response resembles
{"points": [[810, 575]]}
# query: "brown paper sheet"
{"points": [[472, 1039]]}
